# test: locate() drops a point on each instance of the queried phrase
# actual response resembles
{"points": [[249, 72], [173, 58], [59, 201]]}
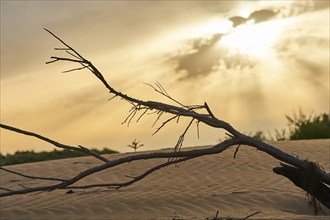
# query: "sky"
{"points": [[253, 62]]}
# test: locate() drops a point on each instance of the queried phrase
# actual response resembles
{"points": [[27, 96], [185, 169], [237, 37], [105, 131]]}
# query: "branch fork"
{"points": [[176, 111]]}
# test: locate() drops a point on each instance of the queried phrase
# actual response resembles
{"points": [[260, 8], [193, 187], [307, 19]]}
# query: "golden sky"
{"points": [[251, 61]]}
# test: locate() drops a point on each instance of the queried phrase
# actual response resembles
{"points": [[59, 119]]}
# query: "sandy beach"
{"points": [[195, 189]]}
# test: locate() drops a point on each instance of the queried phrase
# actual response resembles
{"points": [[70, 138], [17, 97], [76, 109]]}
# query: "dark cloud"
{"points": [[256, 16], [200, 60], [295, 8], [262, 15], [237, 20], [206, 56]]}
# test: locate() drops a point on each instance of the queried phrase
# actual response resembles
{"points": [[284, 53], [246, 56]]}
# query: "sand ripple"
{"points": [[195, 189]]}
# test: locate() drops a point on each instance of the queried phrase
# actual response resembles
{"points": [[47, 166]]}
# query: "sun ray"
{"points": [[254, 40]]}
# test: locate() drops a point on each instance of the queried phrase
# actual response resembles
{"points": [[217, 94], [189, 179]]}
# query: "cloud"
{"points": [[294, 8], [204, 56], [237, 20], [280, 10], [91, 27], [262, 15], [256, 16], [115, 35], [200, 59]]}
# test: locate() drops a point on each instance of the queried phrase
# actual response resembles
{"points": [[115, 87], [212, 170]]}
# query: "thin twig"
{"points": [[32, 177], [181, 138], [159, 113], [253, 214], [64, 59], [197, 126], [236, 151], [114, 96], [164, 123], [75, 69], [230, 135], [163, 92], [208, 110], [63, 43], [142, 115], [218, 148], [73, 55], [9, 190], [56, 48]]}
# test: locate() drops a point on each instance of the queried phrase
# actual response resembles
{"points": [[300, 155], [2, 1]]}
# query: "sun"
{"points": [[255, 40], [251, 39]]}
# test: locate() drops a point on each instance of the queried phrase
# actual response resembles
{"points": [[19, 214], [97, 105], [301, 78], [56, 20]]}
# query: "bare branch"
{"points": [[218, 148], [163, 92], [112, 97], [52, 61], [5, 189], [176, 111], [153, 169], [164, 123], [64, 59], [64, 43], [75, 69], [208, 110], [181, 138], [56, 48], [79, 58], [32, 177], [134, 179], [142, 115], [208, 119], [130, 116], [236, 151], [197, 125], [159, 113], [253, 214], [56, 144]]}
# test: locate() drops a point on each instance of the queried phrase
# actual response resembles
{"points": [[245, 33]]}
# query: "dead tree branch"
{"points": [[55, 143], [68, 183], [177, 111]]}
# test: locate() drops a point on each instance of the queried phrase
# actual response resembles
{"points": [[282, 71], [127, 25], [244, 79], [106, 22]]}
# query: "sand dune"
{"points": [[195, 189]]}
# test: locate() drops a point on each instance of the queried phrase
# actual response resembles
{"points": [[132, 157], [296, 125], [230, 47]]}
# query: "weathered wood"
{"points": [[308, 180], [302, 173]]}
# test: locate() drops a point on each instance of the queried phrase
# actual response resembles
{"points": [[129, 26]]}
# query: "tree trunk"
{"points": [[307, 180]]}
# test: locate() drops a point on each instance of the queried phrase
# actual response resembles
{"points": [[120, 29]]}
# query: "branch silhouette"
{"points": [[176, 156]]}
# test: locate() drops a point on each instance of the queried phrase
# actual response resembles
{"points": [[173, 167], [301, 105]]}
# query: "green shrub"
{"points": [[300, 127], [311, 127]]}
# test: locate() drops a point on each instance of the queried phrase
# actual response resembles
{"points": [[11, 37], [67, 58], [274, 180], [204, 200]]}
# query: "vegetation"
{"points": [[301, 127], [135, 145], [31, 156], [311, 127]]}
